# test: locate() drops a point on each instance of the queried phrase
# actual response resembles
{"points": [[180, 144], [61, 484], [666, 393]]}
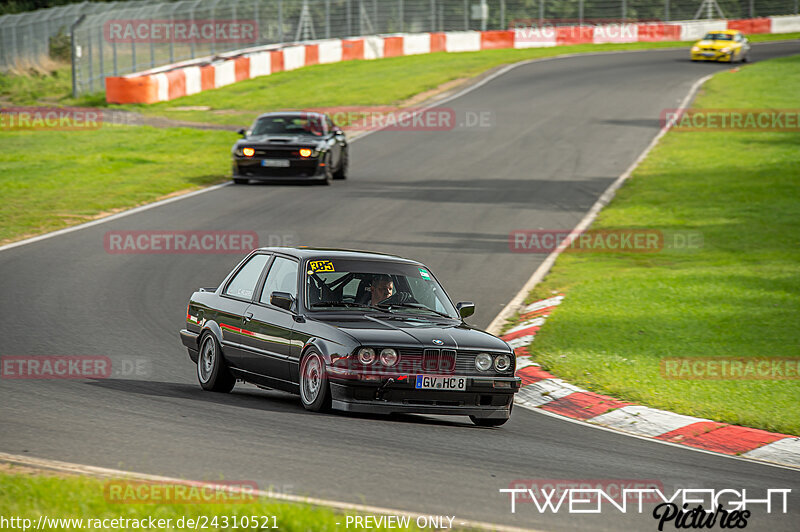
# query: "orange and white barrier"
{"points": [[182, 79]]}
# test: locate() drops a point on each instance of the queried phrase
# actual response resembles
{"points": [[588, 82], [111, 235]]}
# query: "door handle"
{"points": [[248, 316]]}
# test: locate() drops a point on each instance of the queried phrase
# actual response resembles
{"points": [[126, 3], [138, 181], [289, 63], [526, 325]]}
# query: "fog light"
{"points": [[502, 362], [483, 362], [366, 355], [248, 152], [388, 357]]}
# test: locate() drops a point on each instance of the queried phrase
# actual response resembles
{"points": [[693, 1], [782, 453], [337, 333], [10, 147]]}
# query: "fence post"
{"points": [[349, 18], [433, 15], [400, 14], [624, 10], [580, 12], [100, 56], [73, 46], [666, 10], [752, 9], [327, 19], [541, 13], [503, 15], [280, 20]]}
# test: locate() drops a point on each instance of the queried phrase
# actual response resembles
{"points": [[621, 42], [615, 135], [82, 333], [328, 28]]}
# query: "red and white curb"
{"points": [[541, 390]]}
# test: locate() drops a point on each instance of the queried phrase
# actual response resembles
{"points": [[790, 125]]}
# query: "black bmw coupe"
{"points": [[355, 331], [291, 145]]}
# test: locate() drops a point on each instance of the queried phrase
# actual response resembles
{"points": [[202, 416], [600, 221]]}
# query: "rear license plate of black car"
{"points": [[435, 382], [275, 163]]}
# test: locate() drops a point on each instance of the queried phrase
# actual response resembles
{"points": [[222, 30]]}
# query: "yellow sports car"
{"points": [[722, 45]]}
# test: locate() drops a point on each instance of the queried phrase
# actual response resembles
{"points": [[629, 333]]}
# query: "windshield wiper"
{"points": [[348, 305], [419, 306]]}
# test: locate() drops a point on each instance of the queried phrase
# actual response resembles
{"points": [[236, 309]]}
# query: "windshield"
{"points": [[346, 284], [309, 125], [718, 37]]}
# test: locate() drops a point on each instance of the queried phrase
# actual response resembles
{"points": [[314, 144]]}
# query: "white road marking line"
{"points": [[80, 469]]}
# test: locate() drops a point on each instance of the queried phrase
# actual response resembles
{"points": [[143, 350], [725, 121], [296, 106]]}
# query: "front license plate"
{"points": [[275, 163], [431, 382]]}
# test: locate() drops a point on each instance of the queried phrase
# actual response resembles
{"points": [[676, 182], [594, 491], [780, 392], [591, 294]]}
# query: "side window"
{"points": [[244, 282], [282, 277], [329, 122]]}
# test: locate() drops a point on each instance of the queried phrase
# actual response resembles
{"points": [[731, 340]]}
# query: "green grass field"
{"points": [[29, 496], [738, 296], [52, 179]]}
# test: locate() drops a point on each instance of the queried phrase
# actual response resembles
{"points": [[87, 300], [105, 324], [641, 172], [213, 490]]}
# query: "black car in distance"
{"points": [[350, 330], [295, 145]]}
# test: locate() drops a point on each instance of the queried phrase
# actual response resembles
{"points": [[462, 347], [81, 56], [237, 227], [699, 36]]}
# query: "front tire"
{"points": [[341, 173], [492, 422], [212, 371], [315, 391]]}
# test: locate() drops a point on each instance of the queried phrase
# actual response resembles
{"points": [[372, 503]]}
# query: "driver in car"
{"points": [[382, 288]]}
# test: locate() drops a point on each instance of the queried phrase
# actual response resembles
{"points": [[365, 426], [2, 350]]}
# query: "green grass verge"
{"points": [[52, 179], [30, 496], [739, 296]]}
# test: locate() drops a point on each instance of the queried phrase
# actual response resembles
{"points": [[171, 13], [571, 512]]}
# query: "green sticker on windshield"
{"points": [[424, 274]]}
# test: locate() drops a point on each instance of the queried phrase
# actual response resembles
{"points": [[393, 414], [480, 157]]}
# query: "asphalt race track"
{"points": [[562, 131]]}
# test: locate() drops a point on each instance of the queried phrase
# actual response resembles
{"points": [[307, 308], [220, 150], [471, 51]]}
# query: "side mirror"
{"points": [[282, 300], [242, 132], [465, 309]]}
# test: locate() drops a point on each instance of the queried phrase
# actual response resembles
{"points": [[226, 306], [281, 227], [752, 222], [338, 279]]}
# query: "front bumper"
{"points": [[484, 397], [712, 56], [252, 168]]}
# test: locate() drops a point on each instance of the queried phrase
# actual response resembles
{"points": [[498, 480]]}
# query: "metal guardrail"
{"points": [[32, 40]]}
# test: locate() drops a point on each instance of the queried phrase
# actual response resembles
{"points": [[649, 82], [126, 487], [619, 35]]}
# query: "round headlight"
{"points": [[305, 152], [388, 357], [248, 152], [366, 355], [483, 362], [502, 362]]}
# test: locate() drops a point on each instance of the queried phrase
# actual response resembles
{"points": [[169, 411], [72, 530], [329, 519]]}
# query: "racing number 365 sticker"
{"points": [[321, 266]]}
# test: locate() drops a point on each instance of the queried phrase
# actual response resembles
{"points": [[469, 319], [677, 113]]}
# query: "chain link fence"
{"points": [[108, 39]]}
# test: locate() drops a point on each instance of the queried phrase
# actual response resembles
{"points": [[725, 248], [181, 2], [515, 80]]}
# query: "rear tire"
{"points": [[212, 371], [315, 391]]}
